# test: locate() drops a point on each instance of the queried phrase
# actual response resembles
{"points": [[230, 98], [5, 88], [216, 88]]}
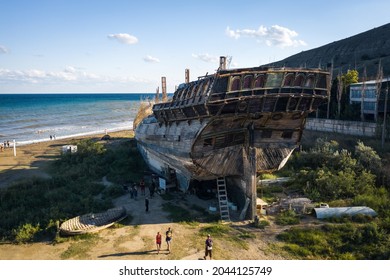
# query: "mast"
{"points": [[187, 76], [222, 63], [164, 89], [157, 98]]}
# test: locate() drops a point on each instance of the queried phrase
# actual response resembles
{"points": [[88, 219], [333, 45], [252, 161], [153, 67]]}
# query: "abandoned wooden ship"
{"points": [[230, 126]]}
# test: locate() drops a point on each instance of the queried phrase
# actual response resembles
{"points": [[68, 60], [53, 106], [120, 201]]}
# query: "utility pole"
{"points": [[330, 90], [363, 92], [385, 115], [340, 88], [378, 86]]}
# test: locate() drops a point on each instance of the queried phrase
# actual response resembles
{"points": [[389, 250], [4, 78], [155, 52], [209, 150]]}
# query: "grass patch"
{"points": [[345, 241], [79, 249], [130, 234], [267, 176], [191, 224], [215, 230], [261, 224], [288, 217]]}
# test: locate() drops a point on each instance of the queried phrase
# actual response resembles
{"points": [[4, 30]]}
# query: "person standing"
{"points": [[142, 186], [146, 204], [168, 239], [152, 188], [135, 191], [158, 242], [209, 247]]}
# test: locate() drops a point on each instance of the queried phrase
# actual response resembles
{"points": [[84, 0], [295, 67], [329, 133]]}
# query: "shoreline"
{"points": [[32, 159], [64, 137]]}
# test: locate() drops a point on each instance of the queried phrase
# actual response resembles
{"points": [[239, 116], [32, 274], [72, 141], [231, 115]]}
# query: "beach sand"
{"points": [[32, 160]]}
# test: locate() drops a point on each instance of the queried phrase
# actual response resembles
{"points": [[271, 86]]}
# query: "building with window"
{"points": [[372, 103]]}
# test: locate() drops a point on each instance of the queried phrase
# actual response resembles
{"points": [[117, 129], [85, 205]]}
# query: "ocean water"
{"points": [[29, 118]]}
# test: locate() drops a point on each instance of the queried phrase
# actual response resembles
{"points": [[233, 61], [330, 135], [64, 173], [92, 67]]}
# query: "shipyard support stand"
{"points": [[249, 184], [249, 179]]}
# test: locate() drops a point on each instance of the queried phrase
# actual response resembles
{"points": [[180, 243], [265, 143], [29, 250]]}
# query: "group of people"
{"points": [[141, 187], [4, 145], [168, 240]]}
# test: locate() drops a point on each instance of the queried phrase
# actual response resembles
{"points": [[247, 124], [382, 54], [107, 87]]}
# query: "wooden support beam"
{"points": [[164, 89], [187, 76]]}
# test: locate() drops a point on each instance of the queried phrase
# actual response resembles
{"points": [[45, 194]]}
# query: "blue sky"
{"points": [[58, 46]]}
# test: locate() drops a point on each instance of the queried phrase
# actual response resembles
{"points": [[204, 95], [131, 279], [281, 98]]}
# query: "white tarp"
{"points": [[324, 213]]}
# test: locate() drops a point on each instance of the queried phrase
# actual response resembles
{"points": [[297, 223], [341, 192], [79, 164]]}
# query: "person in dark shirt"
{"points": [[168, 239], [209, 247]]}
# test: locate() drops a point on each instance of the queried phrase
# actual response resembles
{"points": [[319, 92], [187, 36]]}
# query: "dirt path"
{"points": [[135, 239]]}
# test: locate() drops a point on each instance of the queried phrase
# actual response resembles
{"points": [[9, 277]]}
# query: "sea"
{"points": [[30, 118]]}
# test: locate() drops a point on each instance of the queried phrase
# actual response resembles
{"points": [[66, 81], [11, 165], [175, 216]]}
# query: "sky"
{"points": [[126, 46]]}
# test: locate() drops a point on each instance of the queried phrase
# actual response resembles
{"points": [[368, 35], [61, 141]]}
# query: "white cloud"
{"points": [[206, 57], [152, 59], [3, 49], [124, 38], [67, 76], [38, 76], [274, 36]]}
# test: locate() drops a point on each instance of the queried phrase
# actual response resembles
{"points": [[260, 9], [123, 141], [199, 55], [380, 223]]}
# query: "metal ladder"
{"points": [[222, 199]]}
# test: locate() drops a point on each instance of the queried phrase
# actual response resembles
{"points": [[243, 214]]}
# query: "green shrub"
{"points": [[288, 217], [262, 224], [112, 192], [296, 250], [26, 233]]}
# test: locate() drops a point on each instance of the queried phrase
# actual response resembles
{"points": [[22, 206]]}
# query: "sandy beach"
{"points": [[32, 159]]}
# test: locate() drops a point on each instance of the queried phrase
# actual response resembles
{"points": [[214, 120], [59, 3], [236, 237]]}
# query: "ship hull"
{"points": [[217, 147]]}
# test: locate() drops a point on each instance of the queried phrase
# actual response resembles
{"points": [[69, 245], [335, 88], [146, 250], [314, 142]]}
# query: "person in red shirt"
{"points": [[158, 242]]}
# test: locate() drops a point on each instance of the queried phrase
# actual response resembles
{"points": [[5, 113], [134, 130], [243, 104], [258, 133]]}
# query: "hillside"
{"points": [[364, 49]]}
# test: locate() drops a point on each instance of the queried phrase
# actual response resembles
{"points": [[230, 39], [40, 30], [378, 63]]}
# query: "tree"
{"points": [[363, 94], [352, 76], [368, 157]]}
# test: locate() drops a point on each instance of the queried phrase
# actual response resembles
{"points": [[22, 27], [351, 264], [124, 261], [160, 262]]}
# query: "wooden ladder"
{"points": [[223, 199]]}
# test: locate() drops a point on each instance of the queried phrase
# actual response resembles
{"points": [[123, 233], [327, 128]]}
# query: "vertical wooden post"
{"points": [[222, 63], [164, 89], [252, 186], [249, 178], [14, 148], [187, 76], [157, 98]]}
